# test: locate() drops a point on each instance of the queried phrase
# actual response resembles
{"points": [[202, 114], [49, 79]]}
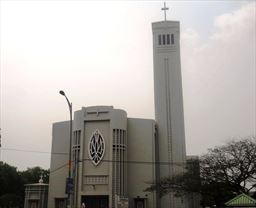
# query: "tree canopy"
{"points": [[11, 186], [32, 175], [224, 172], [181, 184], [228, 170], [12, 183]]}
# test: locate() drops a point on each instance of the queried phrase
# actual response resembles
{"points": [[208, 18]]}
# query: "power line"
{"points": [[34, 151], [128, 162], [108, 161], [87, 159], [60, 167], [140, 162]]}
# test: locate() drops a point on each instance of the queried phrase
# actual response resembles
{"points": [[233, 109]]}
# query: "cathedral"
{"points": [[114, 157]]}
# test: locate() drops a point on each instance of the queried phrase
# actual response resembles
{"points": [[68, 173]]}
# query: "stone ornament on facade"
{"points": [[96, 147]]}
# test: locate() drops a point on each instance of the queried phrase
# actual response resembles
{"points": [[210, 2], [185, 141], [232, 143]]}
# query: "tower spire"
{"points": [[165, 9]]}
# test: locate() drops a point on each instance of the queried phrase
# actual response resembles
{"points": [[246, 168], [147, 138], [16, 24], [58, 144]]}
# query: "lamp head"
{"points": [[62, 92]]}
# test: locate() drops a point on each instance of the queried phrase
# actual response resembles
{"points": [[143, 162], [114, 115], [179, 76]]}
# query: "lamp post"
{"points": [[69, 182]]}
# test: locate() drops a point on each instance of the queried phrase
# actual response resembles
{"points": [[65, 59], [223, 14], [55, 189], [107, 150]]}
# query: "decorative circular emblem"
{"points": [[96, 147]]}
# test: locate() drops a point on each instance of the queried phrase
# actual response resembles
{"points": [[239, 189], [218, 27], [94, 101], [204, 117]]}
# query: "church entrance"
{"points": [[139, 203], [33, 204], [95, 201]]}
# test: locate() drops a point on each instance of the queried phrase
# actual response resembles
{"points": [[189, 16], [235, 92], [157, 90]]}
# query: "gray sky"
{"points": [[100, 53]]}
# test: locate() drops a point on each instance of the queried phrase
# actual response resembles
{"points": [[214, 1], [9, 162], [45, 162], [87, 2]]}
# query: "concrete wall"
{"points": [[141, 160], [59, 159], [169, 103], [100, 179], [130, 142]]}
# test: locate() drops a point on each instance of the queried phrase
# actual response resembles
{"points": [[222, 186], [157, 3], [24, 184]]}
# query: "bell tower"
{"points": [[169, 103]]}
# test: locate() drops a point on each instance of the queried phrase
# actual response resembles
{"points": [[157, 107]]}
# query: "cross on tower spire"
{"points": [[165, 9]]}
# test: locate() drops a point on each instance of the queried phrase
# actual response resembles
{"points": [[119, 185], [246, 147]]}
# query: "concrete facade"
{"points": [[58, 168], [169, 103], [121, 174], [114, 157]]}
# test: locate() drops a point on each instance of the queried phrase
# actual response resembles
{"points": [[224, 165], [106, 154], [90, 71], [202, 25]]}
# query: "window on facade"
{"points": [[96, 147], [76, 138], [172, 38], [163, 39], [159, 39], [168, 39]]}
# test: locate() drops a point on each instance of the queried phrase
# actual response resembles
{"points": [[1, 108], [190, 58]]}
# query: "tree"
{"points": [[228, 170], [12, 183], [225, 171], [11, 200], [180, 184], [32, 175], [11, 186]]}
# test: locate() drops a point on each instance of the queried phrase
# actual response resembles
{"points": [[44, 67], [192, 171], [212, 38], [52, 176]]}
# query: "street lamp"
{"points": [[69, 182]]}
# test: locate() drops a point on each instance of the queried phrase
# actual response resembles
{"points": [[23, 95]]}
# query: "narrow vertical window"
{"points": [[163, 39], [159, 40], [79, 132], [168, 39], [172, 38]]}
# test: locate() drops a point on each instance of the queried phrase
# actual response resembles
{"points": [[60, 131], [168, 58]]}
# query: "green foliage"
{"points": [[32, 175], [180, 185], [12, 183], [10, 200], [228, 170], [224, 172], [12, 188]]}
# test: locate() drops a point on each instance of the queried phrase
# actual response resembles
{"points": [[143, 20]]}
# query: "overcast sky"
{"points": [[100, 53]]}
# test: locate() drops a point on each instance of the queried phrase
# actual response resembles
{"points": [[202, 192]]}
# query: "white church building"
{"points": [[114, 157]]}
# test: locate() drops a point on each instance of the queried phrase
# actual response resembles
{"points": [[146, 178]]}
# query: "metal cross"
{"points": [[165, 9]]}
